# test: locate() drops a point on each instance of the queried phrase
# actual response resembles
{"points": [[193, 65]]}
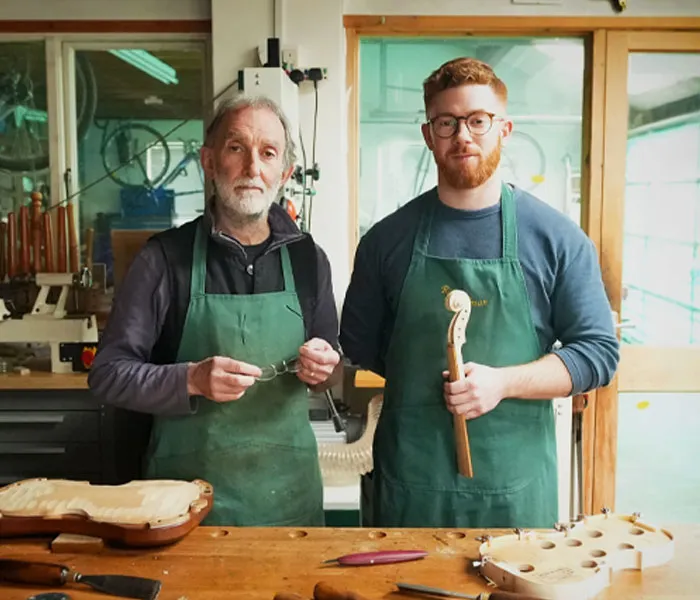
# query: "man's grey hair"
{"points": [[238, 103]]}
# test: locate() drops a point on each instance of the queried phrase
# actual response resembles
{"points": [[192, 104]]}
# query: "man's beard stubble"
{"points": [[247, 207], [465, 177]]}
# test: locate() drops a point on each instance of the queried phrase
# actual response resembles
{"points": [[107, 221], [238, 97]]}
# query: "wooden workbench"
{"points": [[43, 380], [254, 563]]}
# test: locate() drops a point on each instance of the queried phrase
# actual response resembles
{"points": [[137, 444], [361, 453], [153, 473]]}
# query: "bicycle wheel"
{"points": [[24, 143], [125, 158]]}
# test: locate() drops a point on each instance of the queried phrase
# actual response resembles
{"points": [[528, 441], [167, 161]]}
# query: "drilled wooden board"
{"points": [[577, 562]]}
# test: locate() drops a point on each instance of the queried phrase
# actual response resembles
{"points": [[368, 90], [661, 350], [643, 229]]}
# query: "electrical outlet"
{"points": [[290, 58]]}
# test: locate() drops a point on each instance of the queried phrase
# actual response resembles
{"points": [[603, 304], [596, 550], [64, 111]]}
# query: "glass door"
{"points": [[646, 437]]}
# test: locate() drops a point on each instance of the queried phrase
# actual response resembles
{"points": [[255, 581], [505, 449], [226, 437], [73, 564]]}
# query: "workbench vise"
{"points": [[50, 323]]}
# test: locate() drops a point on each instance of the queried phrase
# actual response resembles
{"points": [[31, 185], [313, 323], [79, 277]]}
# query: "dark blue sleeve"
{"points": [[121, 374], [325, 318], [583, 323], [364, 314], [371, 300]]}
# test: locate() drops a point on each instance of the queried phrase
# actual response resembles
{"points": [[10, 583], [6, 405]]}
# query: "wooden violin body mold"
{"points": [[578, 560], [138, 513]]}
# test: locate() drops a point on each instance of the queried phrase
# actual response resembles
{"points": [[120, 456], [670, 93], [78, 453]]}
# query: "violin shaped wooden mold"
{"points": [[577, 561], [138, 513]]}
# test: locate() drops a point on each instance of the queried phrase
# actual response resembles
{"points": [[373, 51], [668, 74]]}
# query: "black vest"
{"points": [[224, 270]]}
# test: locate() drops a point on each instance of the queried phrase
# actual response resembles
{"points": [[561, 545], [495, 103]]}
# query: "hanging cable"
{"points": [[69, 197], [302, 182], [314, 167]]}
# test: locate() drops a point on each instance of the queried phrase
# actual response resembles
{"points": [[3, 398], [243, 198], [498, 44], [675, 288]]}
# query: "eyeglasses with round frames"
{"points": [[478, 123], [275, 370]]}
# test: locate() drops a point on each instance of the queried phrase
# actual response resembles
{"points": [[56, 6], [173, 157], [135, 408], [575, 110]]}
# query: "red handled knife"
{"points": [[381, 557]]}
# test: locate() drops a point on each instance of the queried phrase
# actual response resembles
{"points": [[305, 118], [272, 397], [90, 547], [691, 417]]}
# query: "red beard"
{"points": [[465, 176]]}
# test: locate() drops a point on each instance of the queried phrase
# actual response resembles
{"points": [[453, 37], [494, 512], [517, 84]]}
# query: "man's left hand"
{"points": [[317, 360], [478, 393]]}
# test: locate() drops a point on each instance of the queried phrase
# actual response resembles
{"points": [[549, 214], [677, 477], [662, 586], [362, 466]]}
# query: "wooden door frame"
{"points": [[600, 418], [642, 368]]}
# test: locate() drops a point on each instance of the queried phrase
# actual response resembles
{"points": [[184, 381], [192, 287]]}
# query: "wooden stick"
{"points": [[3, 250], [36, 232], [24, 240], [61, 217], [74, 254], [48, 244], [464, 456], [11, 245]]}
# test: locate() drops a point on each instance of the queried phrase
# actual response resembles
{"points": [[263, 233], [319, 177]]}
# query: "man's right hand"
{"points": [[220, 379]]}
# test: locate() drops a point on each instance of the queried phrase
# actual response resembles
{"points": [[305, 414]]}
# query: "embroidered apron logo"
{"points": [[446, 289]]}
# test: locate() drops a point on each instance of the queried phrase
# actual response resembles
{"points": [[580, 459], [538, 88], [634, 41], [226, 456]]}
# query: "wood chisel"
{"points": [[55, 575], [431, 591]]}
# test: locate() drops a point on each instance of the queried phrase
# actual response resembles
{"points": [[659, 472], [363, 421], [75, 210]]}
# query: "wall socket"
{"points": [[290, 58]]}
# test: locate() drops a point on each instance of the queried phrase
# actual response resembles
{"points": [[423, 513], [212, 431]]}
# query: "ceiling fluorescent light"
{"points": [[149, 64]]}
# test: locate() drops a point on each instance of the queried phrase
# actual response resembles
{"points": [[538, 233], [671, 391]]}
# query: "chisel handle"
{"points": [[38, 573], [325, 591], [506, 596]]}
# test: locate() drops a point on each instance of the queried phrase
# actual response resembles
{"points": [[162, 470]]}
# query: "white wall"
{"points": [[104, 10], [315, 27]]}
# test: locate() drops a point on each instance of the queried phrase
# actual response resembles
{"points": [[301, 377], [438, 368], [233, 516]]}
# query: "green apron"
{"points": [[416, 482], [259, 453]]}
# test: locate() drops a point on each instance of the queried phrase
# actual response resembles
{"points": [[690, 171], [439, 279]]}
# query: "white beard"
{"points": [[247, 205]]}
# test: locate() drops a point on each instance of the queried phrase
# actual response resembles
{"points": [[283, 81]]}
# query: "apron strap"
{"points": [[510, 227], [422, 239], [199, 263], [289, 285]]}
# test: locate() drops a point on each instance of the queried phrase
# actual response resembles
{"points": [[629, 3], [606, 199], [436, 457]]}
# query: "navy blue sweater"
{"points": [[559, 262]]}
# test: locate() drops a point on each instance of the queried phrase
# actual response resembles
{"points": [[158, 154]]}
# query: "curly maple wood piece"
{"points": [[459, 302], [139, 513], [576, 562]]}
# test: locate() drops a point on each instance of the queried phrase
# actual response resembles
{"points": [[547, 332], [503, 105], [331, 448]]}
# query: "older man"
{"points": [[204, 311]]}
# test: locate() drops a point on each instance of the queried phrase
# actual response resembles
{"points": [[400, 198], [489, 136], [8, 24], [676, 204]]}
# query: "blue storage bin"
{"points": [[139, 201]]}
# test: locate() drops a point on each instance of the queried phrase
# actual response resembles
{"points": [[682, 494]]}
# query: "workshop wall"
{"points": [[315, 28]]}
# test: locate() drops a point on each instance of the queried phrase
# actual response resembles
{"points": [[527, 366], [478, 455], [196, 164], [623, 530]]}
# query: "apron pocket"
{"points": [[294, 310]]}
